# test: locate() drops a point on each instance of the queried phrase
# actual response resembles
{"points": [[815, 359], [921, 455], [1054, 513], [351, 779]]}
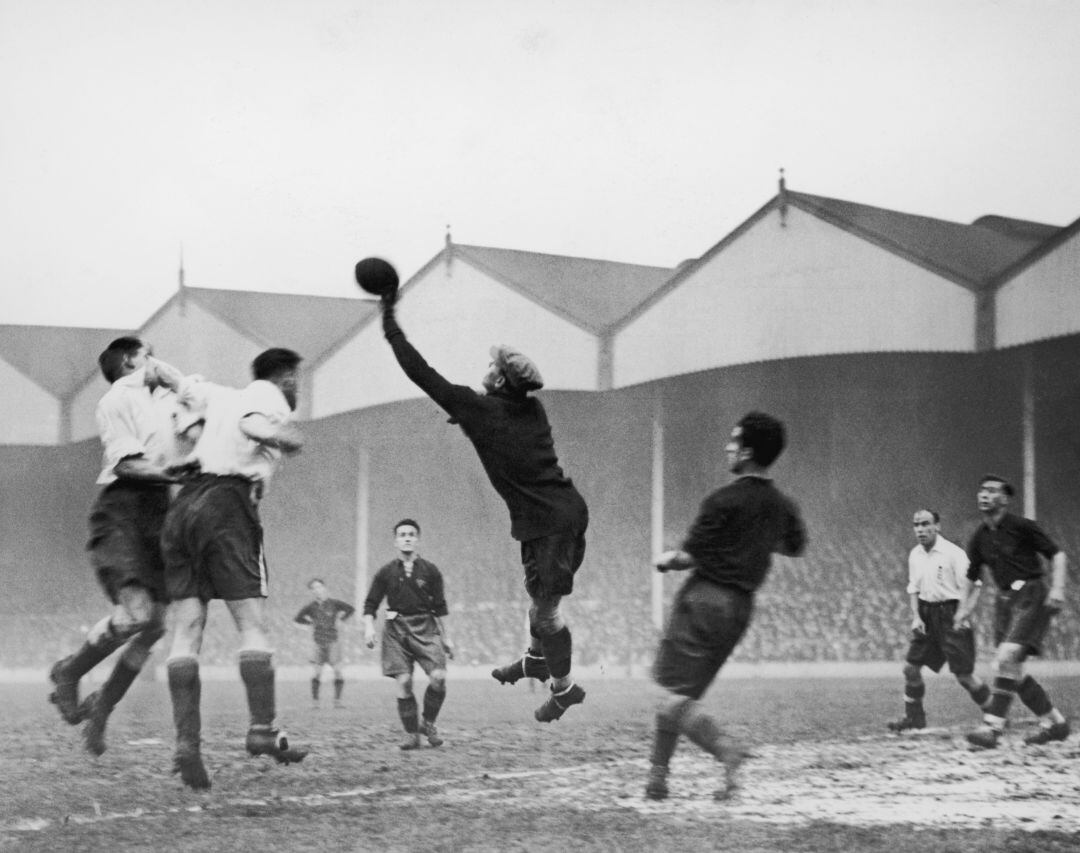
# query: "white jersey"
{"points": [[222, 448], [135, 422], [939, 574]]}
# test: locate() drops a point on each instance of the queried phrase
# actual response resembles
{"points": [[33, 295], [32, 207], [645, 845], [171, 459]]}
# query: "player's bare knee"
{"points": [[437, 680], [669, 711], [404, 686]]}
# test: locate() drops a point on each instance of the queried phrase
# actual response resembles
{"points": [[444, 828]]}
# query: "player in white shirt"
{"points": [[937, 584], [212, 543]]}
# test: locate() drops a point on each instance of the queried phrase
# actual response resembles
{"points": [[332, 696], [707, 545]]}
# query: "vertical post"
{"points": [[1028, 431], [362, 524], [656, 512]]}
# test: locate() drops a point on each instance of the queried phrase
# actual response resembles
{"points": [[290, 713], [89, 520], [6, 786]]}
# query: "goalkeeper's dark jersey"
{"points": [[323, 617]]}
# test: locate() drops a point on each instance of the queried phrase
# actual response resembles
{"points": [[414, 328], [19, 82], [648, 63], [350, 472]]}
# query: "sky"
{"points": [[273, 143]]}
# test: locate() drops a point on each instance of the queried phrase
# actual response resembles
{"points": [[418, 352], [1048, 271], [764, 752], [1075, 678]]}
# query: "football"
{"points": [[376, 276]]}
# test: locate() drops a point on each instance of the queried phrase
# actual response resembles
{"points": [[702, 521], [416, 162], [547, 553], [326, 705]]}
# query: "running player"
{"points": [[512, 436], [323, 614], [212, 543], [413, 631], [1009, 547], [729, 550], [937, 583]]}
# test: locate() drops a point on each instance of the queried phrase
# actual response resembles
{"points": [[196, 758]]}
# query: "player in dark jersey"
{"points": [[413, 631], [728, 550], [512, 436], [324, 614], [1009, 547]]}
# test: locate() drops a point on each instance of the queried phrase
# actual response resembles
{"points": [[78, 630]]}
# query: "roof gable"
{"points": [[592, 294], [58, 358]]}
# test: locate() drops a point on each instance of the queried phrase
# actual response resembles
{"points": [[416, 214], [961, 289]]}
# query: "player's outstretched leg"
{"points": [[558, 647], [257, 673], [65, 674], [1052, 723], [185, 688], [665, 739], [687, 717], [529, 665], [914, 690]]}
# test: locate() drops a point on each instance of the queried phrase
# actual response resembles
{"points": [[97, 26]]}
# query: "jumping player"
{"points": [[1009, 547], [413, 631], [323, 614], [134, 420], [512, 436], [937, 583], [728, 549], [212, 543]]}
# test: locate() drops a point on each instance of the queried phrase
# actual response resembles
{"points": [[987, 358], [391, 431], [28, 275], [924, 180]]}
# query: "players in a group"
{"points": [[728, 550], [1009, 546], [937, 584], [212, 543], [509, 429], [414, 633], [324, 614], [134, 420]]}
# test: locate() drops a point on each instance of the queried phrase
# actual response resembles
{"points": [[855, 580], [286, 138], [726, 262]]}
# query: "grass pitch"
{"points": [[825, 775]]}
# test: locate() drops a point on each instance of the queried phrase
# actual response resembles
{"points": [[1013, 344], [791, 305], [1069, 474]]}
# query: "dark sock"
{"points": [[406, 709], [664, 743], [339, 685], [557, 652], [315, 688], [980, 695], [433, 700], [90, 655], [1033, 695], [257, 673], [118, 682], [536, 648], [185, 688], [701, 729], [1001, 697], [914, 691]]}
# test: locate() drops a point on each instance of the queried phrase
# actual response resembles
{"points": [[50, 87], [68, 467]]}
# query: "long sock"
{"points": [[536, 647], [315, 688], [1033, 695], [664, 743], [94, 651], [980, 694], [185, 687], [257, 673], [406, 709], [914, 691], [558, 648], [433, 700], [701, 729], [118, 682], [997, 709], [339, 685]]}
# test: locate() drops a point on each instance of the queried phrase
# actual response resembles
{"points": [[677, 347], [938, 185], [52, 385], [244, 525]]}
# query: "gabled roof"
{"points": [[1060, 236], [970, 255], [308, 324], [57, 358], [592, 294]]}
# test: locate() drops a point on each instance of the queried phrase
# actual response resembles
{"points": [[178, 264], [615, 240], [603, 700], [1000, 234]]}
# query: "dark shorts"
{"points": [[213, 543], [125, 530], [551, 562], [409, 640], [705, 624], [1022, 617], [940, 643], [327, 653]]}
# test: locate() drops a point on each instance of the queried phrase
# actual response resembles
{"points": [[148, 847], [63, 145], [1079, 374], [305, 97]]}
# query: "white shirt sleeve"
{"points": [[264, 398], [913, 574], [118, 430]]}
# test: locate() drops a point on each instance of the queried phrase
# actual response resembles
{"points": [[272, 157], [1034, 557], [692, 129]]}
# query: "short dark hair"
{"points": [[764, 436], [271, 362], [933, 513], [111, 360], [314, 581], [405, 521], [1006, 486]]}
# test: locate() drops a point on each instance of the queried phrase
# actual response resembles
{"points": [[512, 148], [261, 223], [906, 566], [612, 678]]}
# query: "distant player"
{"points": [[1010, 546], [212, 543], [509, 429], [324, 614], [729, 550], [413, 631], [134, 420], [937, 584]]}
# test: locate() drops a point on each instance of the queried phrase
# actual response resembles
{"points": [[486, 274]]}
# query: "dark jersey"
{"points": [[423, 594], [323, 616], [1011, 550], [512, 437], [737, 530]]}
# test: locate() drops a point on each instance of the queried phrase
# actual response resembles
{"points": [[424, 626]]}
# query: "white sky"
{"points": [[279, 141]]}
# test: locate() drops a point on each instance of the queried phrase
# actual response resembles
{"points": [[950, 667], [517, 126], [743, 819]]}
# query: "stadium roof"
{"points": [[57, 358], [592, 294], [1062, 235], [308, 324]]}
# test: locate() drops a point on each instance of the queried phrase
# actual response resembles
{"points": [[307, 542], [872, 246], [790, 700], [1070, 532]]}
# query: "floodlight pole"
{"points": [[656, 513], [363, 516]]}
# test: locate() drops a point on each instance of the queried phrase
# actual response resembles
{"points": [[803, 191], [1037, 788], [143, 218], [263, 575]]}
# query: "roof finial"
{"points": [[181, 276], [449, 239], [449, 249], [781, 198]]}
